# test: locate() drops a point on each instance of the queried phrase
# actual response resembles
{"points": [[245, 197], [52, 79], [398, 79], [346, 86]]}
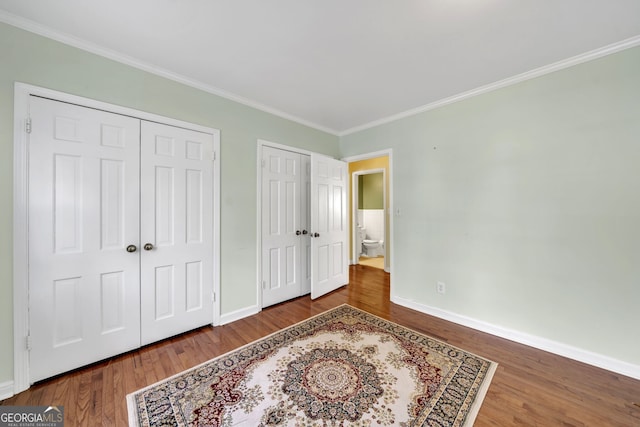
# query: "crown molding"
{"points": [[59, 36], [85, 45], [547, 69]]}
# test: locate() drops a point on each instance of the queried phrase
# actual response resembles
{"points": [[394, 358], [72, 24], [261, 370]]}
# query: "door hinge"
{"points": [[213, 296], [264, 284], [27, 125], [213, 156], [28, 342], [263, 163]]}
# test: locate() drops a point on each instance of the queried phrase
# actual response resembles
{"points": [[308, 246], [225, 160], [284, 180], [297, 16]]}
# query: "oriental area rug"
{"points": [[344, 367]]}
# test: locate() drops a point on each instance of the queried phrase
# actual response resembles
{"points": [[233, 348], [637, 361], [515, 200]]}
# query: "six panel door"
{"points": [[120, 249], [84, 286], [329, 227], [176, 206], [285, 234]]}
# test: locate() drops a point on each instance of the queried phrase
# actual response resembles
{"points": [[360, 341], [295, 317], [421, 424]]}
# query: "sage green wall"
{"points": [[32, 59], [525, 201], [370, 192]]}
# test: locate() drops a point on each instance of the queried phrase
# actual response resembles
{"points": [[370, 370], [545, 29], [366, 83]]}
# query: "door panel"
{"points": [[83, 212], [329, 226], [177, 221], [282, 264]]}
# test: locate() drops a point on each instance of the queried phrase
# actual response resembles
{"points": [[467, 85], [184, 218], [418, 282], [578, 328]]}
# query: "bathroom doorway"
{"points": [[369, 217], [368, 164]]}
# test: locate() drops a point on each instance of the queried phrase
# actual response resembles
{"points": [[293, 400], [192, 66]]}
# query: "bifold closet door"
{"points": [[84, 290], [120, 234], [176, 208]]}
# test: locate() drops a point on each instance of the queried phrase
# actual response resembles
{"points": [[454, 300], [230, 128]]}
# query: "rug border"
{"points": [[474, 409], [482, 393]]}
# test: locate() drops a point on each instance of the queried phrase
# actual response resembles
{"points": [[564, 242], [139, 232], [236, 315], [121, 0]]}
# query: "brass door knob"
{"points": [[132, 248], [148, 246]]}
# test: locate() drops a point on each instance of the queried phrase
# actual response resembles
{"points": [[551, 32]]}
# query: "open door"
{"points": [[329, 226]]}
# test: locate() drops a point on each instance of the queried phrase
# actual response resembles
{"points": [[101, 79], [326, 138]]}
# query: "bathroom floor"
{"points": [[377, 262]]}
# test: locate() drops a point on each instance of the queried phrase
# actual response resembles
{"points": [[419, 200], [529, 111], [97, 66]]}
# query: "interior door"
{"points": [[329, 227], [284, 230], [176, 206], [84, 302]]}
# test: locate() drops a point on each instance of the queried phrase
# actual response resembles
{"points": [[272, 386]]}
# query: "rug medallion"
{"points": [[344, 367]]}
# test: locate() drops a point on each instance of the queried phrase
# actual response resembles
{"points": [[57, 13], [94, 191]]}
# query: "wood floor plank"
{"points": [[119, 389], [530, 387]]}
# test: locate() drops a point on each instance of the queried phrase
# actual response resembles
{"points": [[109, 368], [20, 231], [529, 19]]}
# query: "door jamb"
{"points": [[22, 91], [354, 211]]}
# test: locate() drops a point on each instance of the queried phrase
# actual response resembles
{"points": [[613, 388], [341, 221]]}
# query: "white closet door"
{"points": [[176, 211], [282, 252], [329, 227], [84, 301]]}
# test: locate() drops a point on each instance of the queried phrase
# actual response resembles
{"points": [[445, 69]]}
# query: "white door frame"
{"points": [[354, 212], [262, 143], [391, 211], [22, 92]]}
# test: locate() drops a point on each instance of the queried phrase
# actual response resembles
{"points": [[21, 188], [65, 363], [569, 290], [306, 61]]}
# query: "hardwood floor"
{"points": [[530, 387]]}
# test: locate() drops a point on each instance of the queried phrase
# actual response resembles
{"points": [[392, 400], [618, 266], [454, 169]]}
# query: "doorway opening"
{"points": [[368, 212], [369, 201]]}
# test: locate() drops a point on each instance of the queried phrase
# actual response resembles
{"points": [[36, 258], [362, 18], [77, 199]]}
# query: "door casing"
{"points": [[354, 211]]}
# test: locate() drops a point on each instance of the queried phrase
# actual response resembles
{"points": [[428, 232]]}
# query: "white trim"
{"points": [[528, 75], [239, 314], [27, 89], [555, 347], [22, 92], [263, 142], [259, 146], [6, 390], [87, 46], [367, 156], [20, 240], [216, 228]]}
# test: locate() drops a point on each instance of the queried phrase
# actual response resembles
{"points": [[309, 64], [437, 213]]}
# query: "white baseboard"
{"points": [[239, 314], [6, 390], [575, 353]]}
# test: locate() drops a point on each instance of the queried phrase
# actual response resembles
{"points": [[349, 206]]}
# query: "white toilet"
{"points": [[362, 234], [369, 247], [372, 248]]}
